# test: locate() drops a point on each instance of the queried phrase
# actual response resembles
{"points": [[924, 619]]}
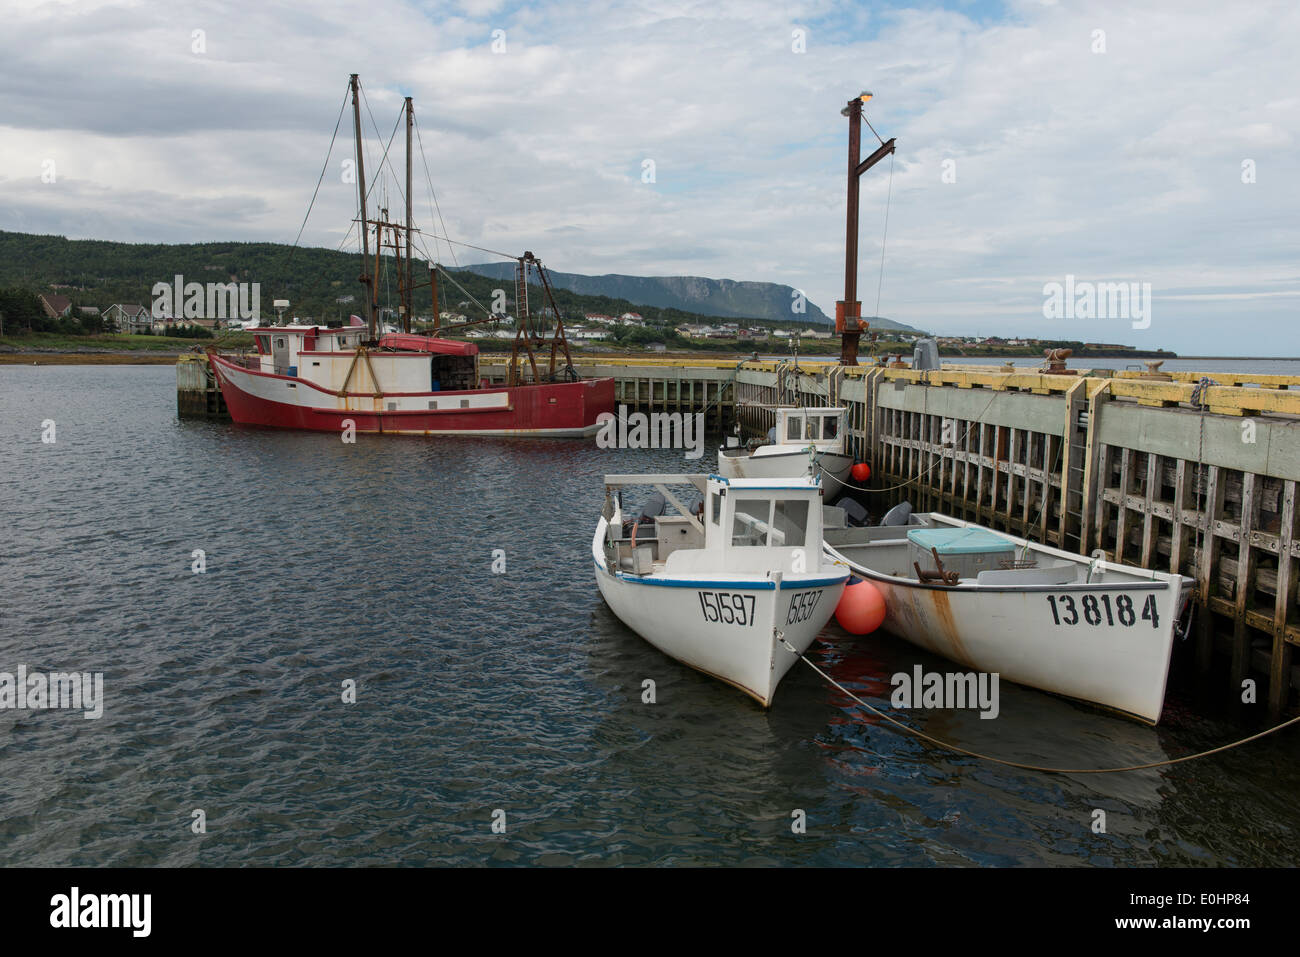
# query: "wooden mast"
{"points": [[408, 297], [848, 311], [366, 279]]}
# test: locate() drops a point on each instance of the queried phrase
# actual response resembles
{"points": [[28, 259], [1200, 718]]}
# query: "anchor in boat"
{"points": [[941, 576]]}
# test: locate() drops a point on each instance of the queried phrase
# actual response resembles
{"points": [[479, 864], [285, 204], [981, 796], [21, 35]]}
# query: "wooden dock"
{"points": [[1159, 473]]}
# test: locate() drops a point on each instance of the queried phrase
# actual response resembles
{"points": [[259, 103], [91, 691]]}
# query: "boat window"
{"points": [[751, 521], [263, 344], [790, 523], [715, 508], [813, 430], [830, 426], [793, 426]]}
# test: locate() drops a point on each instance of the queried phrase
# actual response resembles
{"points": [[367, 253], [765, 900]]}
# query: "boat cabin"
{"points": [[733, 525], [820, 427], [400, 363]]}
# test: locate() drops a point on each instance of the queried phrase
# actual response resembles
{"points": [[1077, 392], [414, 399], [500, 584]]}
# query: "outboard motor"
{"points": [[653, 508], [855, 513], [900, 514]]}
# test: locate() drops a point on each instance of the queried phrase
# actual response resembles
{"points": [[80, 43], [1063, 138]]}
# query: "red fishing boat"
{"points": [[318, 378], [335, 379]]}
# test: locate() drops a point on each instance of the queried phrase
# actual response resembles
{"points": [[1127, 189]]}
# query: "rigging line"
{"points": [[328, 153], [881, 281], [915, 480], [346, 236], [483, 249], [452, 280], [379, 170], [433, 195], [872, 128], [1031, 767]]}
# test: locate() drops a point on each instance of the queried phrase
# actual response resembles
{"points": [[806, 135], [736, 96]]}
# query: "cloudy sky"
{"points": [[1149, 142]]}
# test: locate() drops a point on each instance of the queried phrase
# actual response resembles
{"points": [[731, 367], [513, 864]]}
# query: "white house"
{"points": [[128, 318]]}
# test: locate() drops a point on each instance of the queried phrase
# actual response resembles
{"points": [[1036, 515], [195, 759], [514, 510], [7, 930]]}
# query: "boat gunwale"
{"points": [[1157, 580], [971, 586]]}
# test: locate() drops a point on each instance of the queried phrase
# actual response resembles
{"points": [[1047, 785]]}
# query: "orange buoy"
{"points": [[860, 472], [861, 609]]}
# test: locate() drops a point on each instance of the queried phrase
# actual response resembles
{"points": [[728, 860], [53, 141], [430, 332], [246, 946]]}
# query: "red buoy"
{"points": [[860, 472], [861, 609]]}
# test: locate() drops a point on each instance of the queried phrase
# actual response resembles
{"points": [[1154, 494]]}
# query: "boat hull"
{"points": [[676, 616], [560, 409], [835, 467], [1106, 644]]}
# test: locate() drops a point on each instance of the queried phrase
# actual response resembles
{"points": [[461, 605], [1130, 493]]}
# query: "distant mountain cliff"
{"points": [[708, 297]]}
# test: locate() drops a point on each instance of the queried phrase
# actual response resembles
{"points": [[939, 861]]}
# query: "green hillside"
{"points": [[99, 273]]}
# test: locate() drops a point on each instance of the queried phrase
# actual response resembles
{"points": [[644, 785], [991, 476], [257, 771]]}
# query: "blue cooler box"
{"points": [[966, 551]]}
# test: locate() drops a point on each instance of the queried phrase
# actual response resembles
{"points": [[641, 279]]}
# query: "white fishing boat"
{"points": [[720, 586], [803, 442], [1072, 625]]}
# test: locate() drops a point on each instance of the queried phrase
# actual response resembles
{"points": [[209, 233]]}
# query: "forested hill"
{"points": [[99, 273]]}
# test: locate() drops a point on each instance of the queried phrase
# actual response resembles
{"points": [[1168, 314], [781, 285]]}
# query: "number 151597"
{"points": [[727, 607]]}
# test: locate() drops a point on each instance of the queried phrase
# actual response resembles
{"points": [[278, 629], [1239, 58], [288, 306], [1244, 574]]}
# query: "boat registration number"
{"points": [[802, 605], [730, 608], [1094, 609]]}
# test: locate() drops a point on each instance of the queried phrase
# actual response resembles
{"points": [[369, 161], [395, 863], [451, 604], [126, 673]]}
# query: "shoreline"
{"points": [[38, 358], [166, 357]]}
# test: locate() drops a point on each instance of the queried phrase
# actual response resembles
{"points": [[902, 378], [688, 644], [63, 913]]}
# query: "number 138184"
{"points": [[1076, 609]]}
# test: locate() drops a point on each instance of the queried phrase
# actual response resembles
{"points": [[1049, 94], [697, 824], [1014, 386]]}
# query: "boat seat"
{"points": [[1066, 574]]}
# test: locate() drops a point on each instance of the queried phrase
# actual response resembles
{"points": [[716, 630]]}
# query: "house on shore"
{"points": [[55, 306], [128, 318]]}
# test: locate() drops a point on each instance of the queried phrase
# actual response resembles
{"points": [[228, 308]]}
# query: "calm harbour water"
{"points": [[373, 562]]}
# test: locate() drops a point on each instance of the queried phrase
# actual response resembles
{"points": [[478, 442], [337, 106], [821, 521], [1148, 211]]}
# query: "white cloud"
{"points": [[1121, 165]]}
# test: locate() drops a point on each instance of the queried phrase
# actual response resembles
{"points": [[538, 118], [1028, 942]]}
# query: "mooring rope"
{"points": [[1031, 767], [916, 480]]}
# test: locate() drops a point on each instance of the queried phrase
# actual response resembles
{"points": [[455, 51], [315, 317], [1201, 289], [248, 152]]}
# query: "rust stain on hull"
{"points": [[946, 625], [924, 616]]}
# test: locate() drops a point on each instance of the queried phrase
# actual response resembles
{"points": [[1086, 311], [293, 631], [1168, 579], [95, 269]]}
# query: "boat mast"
{"points": [[848, 312], [408, 297], [366, 279]]}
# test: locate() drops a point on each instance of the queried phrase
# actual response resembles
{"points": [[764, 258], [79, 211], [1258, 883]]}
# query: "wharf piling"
{"points": [[197, 393]]}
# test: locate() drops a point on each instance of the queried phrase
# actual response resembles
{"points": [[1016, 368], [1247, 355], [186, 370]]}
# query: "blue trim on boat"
{"points": [[815, 583], [677, 583], [739, 585]]}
